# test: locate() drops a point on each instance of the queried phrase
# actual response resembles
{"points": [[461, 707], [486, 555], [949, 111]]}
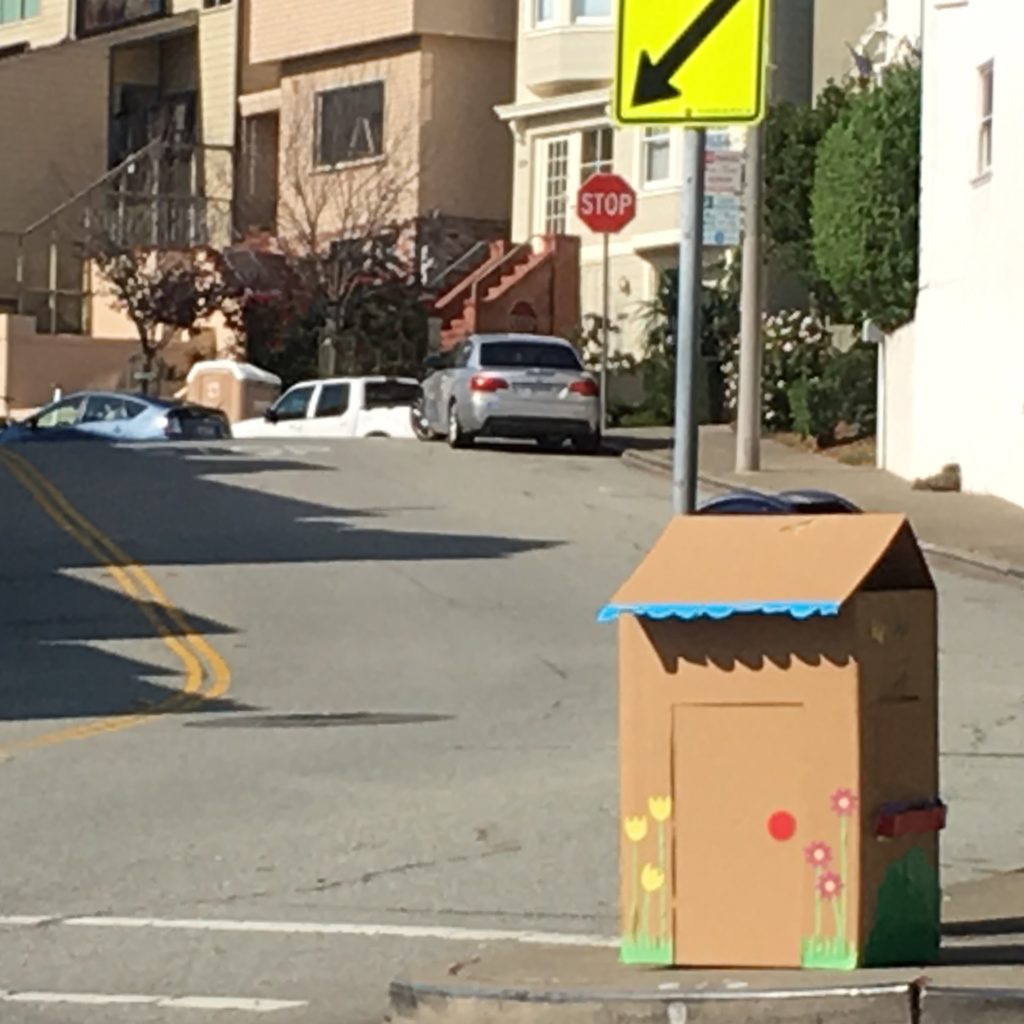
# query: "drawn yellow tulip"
{"points": [[636, 829], [660, 807], [652, 878]]}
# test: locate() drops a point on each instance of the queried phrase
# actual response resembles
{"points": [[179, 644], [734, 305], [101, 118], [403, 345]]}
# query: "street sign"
{"points": [[723, 173], [723, 220], [606, 203], [696, 63]]}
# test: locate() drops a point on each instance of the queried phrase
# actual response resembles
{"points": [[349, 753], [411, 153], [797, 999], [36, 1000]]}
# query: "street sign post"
{"points": [[606, 204], [698, 64]]}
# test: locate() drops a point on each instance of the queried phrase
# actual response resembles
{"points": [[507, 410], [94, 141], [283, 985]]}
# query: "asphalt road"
{"points": [[409, 742]]}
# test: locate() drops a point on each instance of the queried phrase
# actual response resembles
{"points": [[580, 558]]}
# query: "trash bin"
{"points": [[241, 390], [779, 744]]}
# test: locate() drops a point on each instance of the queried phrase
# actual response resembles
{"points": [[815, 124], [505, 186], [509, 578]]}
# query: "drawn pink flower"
{"points": [[830, 885], [818, 855], [844, 802]]}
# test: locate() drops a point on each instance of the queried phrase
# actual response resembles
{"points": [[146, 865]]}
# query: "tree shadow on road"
{"points": [[60, 637], [59, 633]]}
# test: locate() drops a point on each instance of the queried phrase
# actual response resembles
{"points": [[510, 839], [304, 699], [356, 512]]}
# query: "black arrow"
{"points": [[654, 80]]}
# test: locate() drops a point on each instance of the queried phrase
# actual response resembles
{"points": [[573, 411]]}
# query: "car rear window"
{"points": [[385, 394], [507, 355]]}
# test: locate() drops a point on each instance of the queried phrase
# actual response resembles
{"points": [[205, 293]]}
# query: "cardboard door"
{"points": [[738, 790]]}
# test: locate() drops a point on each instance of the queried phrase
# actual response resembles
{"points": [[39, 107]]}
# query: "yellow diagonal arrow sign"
{"points": [[701, 63]]}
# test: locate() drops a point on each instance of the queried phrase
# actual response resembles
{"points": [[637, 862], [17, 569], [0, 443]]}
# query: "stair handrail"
{"points": [[463, 259], [92, 186], [515, 251]]}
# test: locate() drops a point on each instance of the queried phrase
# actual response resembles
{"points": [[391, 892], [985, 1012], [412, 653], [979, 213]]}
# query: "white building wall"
{"points": [[964, 400]]}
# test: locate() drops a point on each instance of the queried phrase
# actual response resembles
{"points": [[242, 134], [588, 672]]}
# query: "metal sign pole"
{"points": [[691, 267], [605, 331]]}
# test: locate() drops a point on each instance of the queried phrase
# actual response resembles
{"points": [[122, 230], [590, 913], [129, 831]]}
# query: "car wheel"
{"points": [[420, 426], [589, 444], [457, 437]]}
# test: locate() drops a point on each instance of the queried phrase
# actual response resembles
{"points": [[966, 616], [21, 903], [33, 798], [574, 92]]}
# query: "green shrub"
{"points": [[866, 201]]}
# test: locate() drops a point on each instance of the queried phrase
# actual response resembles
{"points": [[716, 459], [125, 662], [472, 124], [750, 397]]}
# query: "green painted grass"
{"points": [[828, 955], [641, 949]]}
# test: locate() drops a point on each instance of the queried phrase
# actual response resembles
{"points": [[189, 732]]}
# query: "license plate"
{"points": [[537, 389], [206, 430]]}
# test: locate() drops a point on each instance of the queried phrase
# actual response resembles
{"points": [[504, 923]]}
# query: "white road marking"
{"points": [[171, 1002], [395, 931]]}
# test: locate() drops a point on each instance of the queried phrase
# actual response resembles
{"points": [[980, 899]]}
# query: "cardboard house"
{"points": [[779, 745]]}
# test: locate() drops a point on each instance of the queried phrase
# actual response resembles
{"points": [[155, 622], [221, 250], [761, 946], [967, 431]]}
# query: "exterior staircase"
{"points": [[531, 286]]}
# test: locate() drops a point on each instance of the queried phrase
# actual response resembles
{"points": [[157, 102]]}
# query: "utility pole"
{"points": [[691, 275], [748, 410]]}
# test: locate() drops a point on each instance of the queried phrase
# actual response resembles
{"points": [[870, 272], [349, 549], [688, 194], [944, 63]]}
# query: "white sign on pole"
{"points": [[723, 174], [723, 220]]}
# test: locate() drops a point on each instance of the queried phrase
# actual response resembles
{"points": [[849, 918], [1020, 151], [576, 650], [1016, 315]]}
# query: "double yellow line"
{"points": [[201, 663]]}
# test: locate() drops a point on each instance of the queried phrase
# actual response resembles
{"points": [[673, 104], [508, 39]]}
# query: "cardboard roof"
{"points": [[802, 566]]}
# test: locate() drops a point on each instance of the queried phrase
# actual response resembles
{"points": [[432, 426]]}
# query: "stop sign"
{"points": [[606, 203]]}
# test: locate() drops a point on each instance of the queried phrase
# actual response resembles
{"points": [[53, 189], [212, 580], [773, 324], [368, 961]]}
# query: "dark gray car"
{"points": [[520, 386]]}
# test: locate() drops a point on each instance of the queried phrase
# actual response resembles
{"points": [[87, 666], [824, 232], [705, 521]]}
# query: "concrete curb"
{"points": [[480, 1004], [643, 460], [954, 1005]]}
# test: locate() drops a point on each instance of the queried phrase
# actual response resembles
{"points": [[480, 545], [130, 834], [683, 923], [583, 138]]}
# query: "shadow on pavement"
{"points": [[165, 510], [58, 637], [59, 634]]}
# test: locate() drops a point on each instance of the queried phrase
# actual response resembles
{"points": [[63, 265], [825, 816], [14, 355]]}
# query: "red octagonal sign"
{"points": [[606, 203]]}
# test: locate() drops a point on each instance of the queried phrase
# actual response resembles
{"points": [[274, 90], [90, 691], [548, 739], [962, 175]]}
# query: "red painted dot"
{"points": [[782, 826]]}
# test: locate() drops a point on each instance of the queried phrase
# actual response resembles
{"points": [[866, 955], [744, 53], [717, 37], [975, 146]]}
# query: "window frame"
{"points": [[551, 201], [578, 18], [986, 120], [30, 10], [318, 112], [600, 165], [535, 13], [650, 135]]}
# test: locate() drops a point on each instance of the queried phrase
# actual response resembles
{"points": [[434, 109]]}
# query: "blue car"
{"points": [[114, 417]]}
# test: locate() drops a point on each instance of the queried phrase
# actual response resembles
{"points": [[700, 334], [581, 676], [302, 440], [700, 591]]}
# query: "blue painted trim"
{"points": [[689, 612]]}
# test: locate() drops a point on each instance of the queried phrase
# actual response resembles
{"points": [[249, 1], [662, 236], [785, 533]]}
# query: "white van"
{"points": [[339, 407]]}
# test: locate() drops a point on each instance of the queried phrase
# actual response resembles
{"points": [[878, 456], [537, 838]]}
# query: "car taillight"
{"points": [[172, 428], [481, 382], [587, 388]]}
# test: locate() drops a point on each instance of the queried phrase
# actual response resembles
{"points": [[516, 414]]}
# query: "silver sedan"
{"points": [[510, 386]]}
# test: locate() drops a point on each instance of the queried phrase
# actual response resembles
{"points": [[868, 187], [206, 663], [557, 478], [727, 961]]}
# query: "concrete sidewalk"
{"points": [[981, 530], [981, 979]]}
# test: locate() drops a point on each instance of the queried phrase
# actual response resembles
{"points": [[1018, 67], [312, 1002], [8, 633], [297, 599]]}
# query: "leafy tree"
{"points": [[793, 137], [163, 292], [865, 205]]}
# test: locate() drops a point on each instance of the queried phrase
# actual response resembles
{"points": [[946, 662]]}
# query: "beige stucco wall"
{"points": [[837, 23], [333, 201], [466, 151], [53, 119], [282, 31], [51, 26], [32, 365]]}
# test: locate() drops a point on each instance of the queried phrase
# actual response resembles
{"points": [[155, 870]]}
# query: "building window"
{"points": [[556, 186], [598, 152], [543, 11], [987, 107], [18, 10], [350, 124], [209, 5], [657, 155], [591, 10], [93, 16]]}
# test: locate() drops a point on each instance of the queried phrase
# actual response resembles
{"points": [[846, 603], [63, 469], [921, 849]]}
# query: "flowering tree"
{"points": [[164, 292]]}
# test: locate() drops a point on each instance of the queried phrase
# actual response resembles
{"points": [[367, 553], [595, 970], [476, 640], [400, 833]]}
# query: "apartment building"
{"points": [[356, 112], [563, 132], [953, 381], [86, 87]]}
